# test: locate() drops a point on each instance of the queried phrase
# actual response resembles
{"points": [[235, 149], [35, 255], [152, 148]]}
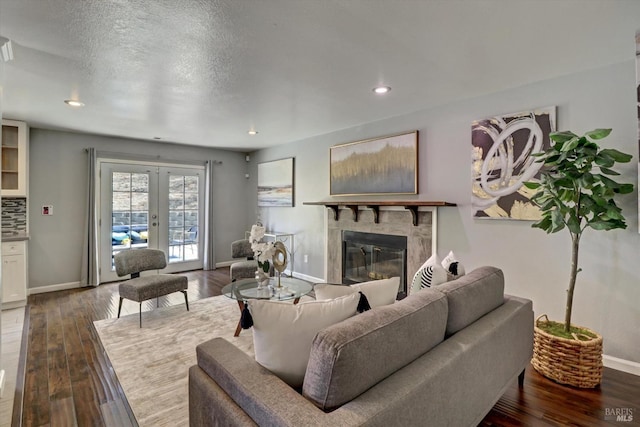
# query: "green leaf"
{"points": [[616, 155], [570, 144], [557, 221], [544, 224], [562, 136], [586, 180], [604, 160], [573, 224], [531, 185], [625, 188], [608, 171], [609, 183], [598, 133], [602, 225]]}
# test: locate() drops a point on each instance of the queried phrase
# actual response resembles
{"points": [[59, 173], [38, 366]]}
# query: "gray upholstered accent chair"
{"points": [[137, 288], [245, 269]]}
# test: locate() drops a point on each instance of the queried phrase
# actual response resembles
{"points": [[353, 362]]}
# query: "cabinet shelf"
{"points": [[15, 146]]}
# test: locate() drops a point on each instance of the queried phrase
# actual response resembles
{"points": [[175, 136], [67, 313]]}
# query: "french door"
{"points": [[148, 206]]}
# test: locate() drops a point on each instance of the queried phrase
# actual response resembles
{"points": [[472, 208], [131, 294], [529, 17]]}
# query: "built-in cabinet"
{"points": [[15, 157], [15, 174], [14, 274]]}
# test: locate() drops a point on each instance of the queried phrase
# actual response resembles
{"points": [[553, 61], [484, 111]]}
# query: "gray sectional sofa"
{"points": [[440, 357]]}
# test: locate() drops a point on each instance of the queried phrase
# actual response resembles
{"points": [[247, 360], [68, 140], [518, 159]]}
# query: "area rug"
{"points": [[152, 362]]}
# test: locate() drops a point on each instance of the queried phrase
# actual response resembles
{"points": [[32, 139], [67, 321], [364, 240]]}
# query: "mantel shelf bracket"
{"points": [[376, 213], [335, 209], [414, 214], [354, 212]]}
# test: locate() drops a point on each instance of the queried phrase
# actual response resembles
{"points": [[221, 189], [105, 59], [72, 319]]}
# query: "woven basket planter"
{"points": [[573, 362]]}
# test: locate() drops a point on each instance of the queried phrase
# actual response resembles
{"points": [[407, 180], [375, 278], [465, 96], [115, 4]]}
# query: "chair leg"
{"points": [[119, 307], [186, 301], [141, 314], [521, 379]]}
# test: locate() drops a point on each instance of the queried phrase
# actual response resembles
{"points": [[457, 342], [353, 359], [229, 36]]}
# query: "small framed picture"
{"points": [[275, 183]]}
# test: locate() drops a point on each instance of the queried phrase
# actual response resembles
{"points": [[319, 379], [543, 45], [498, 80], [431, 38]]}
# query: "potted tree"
{"points": [[575, 192]]}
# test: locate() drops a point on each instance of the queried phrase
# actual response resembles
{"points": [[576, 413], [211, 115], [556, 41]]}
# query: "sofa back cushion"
{"points": [[472, 296], [352, 356]]}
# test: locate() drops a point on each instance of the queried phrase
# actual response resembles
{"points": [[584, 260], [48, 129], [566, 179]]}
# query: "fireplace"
{"points": [[390, 221], [374, 256]]}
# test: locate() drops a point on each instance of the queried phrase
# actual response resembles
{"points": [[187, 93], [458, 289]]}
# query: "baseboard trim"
{"points": [[306, 277], [621, 365], [53, 288]]}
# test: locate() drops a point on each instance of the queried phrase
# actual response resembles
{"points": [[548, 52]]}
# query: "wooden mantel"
{"points": [[412, 206]]}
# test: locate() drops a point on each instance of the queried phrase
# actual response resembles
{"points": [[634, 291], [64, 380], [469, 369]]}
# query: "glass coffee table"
{"points": [[246, 289]]}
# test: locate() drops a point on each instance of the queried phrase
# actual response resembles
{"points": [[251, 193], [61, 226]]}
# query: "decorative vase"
{"points": [[567, 361], [262, 278]]}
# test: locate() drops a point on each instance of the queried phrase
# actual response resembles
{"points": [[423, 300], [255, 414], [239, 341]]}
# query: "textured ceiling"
{"points": [[205, 72]]}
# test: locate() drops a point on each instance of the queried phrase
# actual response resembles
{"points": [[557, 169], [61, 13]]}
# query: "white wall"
{"points": [[536, 265], [58, 176]]}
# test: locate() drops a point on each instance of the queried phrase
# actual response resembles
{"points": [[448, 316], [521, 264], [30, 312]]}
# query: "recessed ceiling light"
{"points": [[380, 90], [73, 103], [253, 132]]}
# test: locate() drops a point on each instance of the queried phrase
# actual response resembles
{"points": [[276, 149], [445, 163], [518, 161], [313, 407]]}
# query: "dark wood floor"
{"points": [[69, 381]]}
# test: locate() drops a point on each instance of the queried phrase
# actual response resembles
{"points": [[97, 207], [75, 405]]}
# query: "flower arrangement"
{"points": [[263, 251]]}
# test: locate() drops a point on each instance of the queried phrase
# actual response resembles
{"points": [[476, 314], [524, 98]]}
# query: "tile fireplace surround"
{"points": [[421, 238]]}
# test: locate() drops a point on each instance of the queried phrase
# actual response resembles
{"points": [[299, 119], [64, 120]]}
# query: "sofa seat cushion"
{"points": [[378, 292], [283, 332], [472, 296], [352, 356]]}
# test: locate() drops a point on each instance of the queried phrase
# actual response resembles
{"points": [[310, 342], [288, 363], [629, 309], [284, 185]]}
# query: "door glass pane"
{"points": [[130, 211], [183, 218]]}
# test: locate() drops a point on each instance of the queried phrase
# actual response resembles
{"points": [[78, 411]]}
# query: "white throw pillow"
{"points": [[378, 292], [283, 332], [453, 267], [431, 273]]}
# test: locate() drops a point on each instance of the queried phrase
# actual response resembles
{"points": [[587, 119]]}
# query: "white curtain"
{"points": [[209, 244], [89, 275]]}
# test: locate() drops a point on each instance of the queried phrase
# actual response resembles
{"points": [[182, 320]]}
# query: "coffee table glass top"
{"points": [[244, 289]]}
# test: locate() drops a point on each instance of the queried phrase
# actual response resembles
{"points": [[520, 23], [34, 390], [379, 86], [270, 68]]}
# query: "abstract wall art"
{"points": [[387, 165], [275, 183], [502, 148]]}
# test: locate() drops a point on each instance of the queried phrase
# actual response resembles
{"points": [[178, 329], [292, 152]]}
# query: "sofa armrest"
{"points": [[259, 393]]}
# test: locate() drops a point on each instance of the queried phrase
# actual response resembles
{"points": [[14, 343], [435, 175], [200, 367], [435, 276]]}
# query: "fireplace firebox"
{"points": [[373, 256]]}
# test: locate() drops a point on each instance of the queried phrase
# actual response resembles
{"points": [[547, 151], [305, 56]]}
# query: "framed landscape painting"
{"points": [[387, 165], [502, 148], [275, 183]]}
